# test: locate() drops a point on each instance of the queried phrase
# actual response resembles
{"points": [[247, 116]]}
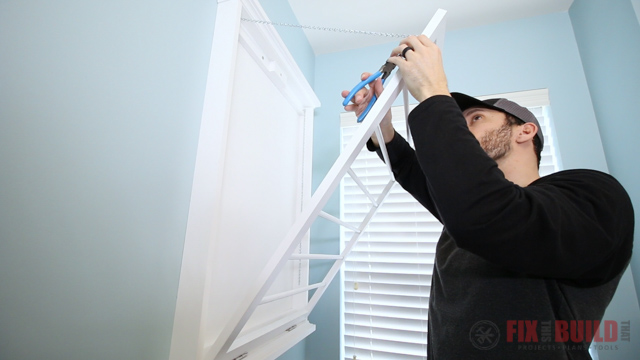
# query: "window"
{"points": [[387, 276]]}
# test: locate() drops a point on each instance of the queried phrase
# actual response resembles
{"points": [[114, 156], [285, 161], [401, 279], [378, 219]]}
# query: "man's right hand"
{"points": [[360, 102]]}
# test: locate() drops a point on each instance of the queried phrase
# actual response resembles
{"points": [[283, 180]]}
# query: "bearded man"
{"points": [[516, 248]]}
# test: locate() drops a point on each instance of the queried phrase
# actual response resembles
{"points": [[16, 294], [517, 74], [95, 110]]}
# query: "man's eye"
{"points": [[476, 118]]}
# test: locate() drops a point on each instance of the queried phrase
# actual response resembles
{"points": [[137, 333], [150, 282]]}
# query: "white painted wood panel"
{"points": [[251, 179], [260, 193]]}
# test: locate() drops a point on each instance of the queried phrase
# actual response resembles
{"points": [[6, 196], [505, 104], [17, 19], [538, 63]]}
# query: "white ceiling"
{"points": [[404, 17]]}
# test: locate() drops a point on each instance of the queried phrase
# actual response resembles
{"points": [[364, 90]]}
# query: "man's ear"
{"points": [[527, 132]]}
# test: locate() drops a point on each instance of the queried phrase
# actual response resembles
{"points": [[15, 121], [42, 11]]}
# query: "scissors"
{"points": [[384, 72]]}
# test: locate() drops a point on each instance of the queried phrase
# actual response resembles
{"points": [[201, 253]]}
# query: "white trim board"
{"points": [[254, 49]]}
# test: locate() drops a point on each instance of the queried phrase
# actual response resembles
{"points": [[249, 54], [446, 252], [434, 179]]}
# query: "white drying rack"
{"points": [[285, 252]]}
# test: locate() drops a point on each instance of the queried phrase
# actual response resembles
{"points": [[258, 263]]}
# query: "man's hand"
{"points": [[421, 68], [360, 102]]}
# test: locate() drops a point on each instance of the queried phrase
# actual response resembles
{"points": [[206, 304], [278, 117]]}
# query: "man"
{"points": [[520, 256]]}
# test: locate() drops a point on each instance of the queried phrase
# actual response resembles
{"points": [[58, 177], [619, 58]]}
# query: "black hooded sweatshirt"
{"points": [[516, 267]]}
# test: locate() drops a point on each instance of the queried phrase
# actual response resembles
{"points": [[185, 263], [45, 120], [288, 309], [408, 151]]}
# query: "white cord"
{"points": [[322, 28]]}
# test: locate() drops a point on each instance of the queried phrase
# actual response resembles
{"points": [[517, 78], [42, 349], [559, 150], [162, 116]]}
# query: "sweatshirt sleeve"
{"points": [[577, 227], [407, 171]]}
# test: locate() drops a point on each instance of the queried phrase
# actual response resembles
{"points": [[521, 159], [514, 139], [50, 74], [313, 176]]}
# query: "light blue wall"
{"points": [[100, 106], [608, 35], [99, 116]]}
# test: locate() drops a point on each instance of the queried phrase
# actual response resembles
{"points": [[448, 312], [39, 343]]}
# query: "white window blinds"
{"points": [[387, 276]]}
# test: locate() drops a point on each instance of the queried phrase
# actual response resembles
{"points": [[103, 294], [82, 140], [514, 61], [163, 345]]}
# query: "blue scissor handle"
{"points": [[357, 88], [366, 111]]}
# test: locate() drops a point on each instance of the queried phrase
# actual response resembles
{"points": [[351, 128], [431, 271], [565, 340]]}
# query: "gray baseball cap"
{"points": [[506, 106]]}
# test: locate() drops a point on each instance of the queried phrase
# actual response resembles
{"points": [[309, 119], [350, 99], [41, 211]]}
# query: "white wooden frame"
{"points": [[196, 333], [285, 252], [195, 324]]}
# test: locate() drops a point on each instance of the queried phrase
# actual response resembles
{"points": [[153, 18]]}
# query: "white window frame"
{"points": [[373, 289]]}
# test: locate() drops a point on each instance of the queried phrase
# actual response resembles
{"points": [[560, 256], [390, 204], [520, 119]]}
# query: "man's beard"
{"points": [[497, 143]]}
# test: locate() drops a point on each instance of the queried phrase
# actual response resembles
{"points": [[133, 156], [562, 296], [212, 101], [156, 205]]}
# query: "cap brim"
{"points": [[465, 101]]}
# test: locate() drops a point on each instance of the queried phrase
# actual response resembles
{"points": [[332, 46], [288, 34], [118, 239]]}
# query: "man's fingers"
{"points": [[350, 107], [357, 97], [361, 99], [361, 96], [414, 42], [395, 59], [424, 40]]}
